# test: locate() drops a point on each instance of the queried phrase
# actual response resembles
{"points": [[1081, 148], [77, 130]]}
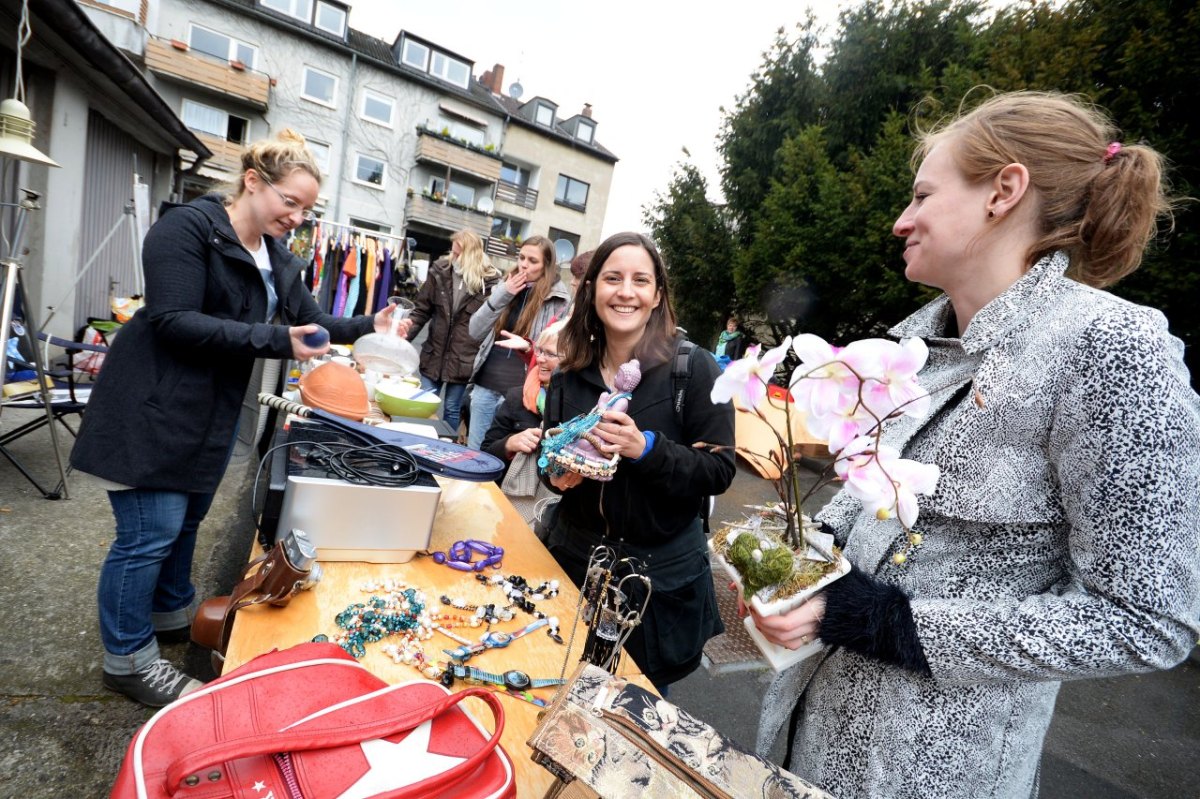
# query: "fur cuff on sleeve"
{"points": [[873, 618]]}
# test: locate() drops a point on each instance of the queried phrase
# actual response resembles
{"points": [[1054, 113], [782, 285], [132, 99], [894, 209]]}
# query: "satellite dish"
{"points": [[564, 251], [485, 204], [516, 90]]}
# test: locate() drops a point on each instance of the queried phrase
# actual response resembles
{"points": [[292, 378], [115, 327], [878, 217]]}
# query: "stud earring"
{"points": [[991, 214]]}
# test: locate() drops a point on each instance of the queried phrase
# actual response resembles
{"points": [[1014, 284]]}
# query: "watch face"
{"points": [[498, 639], [516, 680]]}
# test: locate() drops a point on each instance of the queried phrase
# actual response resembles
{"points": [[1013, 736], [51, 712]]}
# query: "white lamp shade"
{"points": [[16, 134]]}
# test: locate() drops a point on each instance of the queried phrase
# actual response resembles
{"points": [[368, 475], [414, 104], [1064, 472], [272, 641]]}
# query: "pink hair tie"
{"points": [[1111, 151]]}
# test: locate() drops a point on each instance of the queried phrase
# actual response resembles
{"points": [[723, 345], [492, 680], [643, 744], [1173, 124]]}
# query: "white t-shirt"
{"points": [[263, 261]]}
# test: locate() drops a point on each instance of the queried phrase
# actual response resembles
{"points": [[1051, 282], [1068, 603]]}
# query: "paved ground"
{"points": [[62, 735]]}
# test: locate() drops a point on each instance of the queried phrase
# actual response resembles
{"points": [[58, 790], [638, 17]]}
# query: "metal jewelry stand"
{"points": [[13, 285]]}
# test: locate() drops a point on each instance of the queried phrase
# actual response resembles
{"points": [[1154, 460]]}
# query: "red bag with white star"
{"points": [[309, 722]]}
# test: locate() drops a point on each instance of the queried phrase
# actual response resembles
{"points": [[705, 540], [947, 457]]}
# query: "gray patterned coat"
{"points": [[1063, 542]]}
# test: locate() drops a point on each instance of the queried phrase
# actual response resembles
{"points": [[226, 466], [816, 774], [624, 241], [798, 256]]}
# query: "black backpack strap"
{"points": [[681, 374]]}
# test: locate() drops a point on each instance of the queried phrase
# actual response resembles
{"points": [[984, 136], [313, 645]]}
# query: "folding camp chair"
{"points": [[68, 397]]}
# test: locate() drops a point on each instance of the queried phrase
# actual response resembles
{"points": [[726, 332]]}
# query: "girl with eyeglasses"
{"points": [[222, 289]]}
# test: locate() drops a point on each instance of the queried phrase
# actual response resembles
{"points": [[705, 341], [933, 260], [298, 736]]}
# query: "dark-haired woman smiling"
{"points": [[651, 510]]}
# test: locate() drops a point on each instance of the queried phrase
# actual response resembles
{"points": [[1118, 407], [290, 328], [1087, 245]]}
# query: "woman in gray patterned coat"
{"points": [[1062, 540]]}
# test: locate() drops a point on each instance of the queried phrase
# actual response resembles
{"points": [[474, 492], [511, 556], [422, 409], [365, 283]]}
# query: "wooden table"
{"points": [[468, 510]]}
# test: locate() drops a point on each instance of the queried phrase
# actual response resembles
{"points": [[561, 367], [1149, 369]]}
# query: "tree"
{"points": [[785, 95], [697, 246]]}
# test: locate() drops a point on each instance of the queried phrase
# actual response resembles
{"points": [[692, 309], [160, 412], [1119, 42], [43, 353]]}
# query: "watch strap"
{"points": [[545, 682]]}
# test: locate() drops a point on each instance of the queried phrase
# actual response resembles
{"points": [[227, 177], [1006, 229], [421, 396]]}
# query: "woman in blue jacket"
{"points": [[221, 290]]}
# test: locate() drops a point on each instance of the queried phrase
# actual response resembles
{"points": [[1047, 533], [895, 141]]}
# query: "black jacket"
{"points": [[651, 509], [448, 355], [650, 500], [511, 417], [163, 412]]}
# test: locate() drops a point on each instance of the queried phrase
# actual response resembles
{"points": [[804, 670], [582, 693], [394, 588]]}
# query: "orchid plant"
{"points": [[845, 394]]}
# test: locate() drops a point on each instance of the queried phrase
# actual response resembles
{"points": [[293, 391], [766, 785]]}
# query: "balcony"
{"points": [[516, 194], [501, 247], [434, 149], [167, 60], [420, 208], [226, 155]]}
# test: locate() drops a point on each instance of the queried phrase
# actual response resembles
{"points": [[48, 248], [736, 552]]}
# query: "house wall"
{"points": [[554, 158]]}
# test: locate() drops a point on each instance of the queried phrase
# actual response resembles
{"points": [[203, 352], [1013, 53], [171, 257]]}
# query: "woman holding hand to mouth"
{"points": [[521, 306], [652, 508], [222, 289]]}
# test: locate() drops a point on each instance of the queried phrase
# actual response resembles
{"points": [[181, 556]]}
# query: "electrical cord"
{"points": [[362, 464]]}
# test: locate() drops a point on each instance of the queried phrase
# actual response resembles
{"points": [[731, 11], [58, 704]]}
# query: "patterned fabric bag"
{"points": [[605, 737]]}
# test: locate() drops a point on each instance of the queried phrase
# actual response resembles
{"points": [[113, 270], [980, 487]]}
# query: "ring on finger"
{"points": [[803, 640]]}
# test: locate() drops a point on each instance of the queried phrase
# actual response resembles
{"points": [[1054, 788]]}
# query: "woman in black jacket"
{"points": [[221, 290], [455, 289], [652, 507]]}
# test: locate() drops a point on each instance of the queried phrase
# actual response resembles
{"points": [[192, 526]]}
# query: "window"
{"points": [[320, 87], [511, 173], [459, 193], [367, 225], [321, 153], [416, 55], [215, 122], [300, 9], [584, 132], [221, 46], [502, 226], [331, 19], [369, 170], [555, 234], [545, 115], [450, 69], [571, 193], [377, 107]]}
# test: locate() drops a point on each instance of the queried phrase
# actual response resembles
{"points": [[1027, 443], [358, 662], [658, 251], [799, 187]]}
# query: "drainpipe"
{"points": [[337, 196]]}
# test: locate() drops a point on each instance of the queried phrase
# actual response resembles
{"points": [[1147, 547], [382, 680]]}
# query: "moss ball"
{"points": [[772, 565]]}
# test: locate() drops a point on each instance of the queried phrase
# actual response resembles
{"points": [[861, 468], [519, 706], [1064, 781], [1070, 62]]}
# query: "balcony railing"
{"points": [[169, 61], [516, 194], [420, 208], [436, 150], [226, 155], [501, 248]]}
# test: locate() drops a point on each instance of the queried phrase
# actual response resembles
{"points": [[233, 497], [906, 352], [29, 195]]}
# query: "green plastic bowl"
{"points": [[395, 399]]}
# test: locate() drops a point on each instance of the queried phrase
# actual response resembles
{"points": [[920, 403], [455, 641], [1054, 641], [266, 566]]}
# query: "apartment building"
{"points": [[411, 142]]}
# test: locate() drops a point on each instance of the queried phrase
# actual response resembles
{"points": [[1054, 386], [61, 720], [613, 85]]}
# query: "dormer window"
{"points": [[330, 19], [544, 115], [585, 131], [416, 55], [425, 57], [300, 9], [450, 69]]}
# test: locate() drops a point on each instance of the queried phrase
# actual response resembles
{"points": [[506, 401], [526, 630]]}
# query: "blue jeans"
{"points": [[483, 409], [146, 580], [451, 399]]}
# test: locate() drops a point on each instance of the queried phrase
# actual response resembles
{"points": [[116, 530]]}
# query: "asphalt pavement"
{"points": [[64, 736]]}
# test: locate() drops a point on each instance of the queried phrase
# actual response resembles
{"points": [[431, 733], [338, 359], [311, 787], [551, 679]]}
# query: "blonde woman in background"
{"points": [[221, 290], [455, 289]]}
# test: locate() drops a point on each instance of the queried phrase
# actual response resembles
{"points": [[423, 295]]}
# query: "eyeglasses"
{"points": [[307, 213], [541, 353]]}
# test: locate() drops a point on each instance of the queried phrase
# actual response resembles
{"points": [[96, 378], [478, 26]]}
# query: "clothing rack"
{"points": [[361, 231]]}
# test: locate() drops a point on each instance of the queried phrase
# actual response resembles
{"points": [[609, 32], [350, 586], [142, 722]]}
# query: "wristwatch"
{"points": [[512, 680], [492, 640]]}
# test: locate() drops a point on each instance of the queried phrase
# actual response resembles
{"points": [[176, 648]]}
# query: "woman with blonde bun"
{"points": [[221, 290]]}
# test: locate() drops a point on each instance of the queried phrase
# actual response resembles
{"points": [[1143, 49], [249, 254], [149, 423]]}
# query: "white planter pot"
{"points": [[777, 656]]}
